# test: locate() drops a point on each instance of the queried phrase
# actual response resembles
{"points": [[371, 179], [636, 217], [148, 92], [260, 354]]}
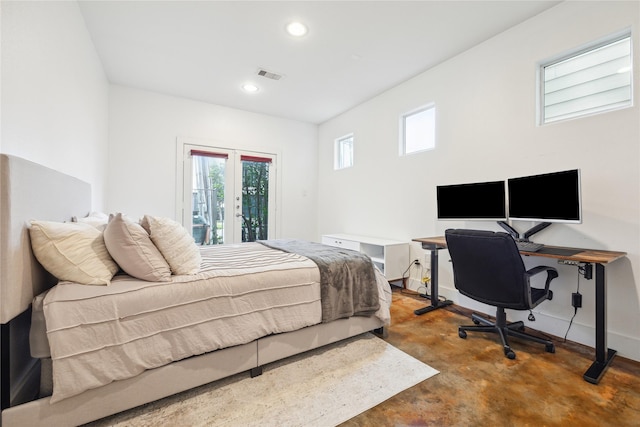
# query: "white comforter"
{"points": [[101, 334]]}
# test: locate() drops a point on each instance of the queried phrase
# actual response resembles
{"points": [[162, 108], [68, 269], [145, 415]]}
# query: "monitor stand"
{"points": [[524, 236]]}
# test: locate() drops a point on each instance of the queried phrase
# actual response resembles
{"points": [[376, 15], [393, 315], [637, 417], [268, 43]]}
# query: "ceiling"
{"points": [[354, 50]]}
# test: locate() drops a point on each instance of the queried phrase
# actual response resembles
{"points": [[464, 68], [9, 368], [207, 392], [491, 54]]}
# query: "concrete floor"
{"points": [[479, 386]]}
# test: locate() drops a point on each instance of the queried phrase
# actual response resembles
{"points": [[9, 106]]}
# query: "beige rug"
{"points": [[322, 387]]}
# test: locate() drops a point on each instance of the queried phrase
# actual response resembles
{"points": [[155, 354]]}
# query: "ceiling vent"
{"points": [[268, 74]]}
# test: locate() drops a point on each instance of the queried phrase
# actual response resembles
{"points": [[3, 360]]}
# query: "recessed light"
{"points": [[250, 88], [297, 29]]}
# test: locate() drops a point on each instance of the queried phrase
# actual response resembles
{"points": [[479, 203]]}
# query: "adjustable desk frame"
{"points": [[604, 355], [435, 299]]}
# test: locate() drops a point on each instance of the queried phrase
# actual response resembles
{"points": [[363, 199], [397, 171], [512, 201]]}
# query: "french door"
{"points": [[228, 195]]}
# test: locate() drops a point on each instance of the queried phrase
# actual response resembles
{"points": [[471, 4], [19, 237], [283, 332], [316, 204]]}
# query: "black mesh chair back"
{"points": [[488, 268]]}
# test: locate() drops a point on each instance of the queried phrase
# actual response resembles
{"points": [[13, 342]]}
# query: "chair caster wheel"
{"points": [[550, 348], [510, 354], [476, 321], [462, 334]]}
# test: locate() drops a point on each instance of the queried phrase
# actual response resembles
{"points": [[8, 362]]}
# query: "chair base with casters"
{"points": [[503, 329]]}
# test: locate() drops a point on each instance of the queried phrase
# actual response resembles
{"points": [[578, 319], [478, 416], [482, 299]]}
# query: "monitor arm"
{"points": [[512, 231], [524, 236], [533, 230]]}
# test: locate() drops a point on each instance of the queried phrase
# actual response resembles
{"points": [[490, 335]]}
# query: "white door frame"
{"points": [[232, 192]]}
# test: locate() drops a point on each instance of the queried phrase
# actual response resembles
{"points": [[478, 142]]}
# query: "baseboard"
{"points": [[626, 346]]}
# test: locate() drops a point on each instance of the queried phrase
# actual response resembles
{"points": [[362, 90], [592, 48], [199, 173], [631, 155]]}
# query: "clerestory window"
{"points": [[418, 130], [588, 81], [343, 157]]}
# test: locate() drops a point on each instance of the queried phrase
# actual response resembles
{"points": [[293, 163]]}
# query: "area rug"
{"points": [[322, 387]]}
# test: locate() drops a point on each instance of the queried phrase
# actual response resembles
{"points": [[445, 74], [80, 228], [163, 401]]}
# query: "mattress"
{"points": [[97, 335]]}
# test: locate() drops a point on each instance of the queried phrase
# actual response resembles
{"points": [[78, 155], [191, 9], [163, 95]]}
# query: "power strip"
{"points": [[568, 262], [586, 271]]}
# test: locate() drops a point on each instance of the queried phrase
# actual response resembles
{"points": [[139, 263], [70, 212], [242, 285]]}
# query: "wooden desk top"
{"points": [[585, 255]]}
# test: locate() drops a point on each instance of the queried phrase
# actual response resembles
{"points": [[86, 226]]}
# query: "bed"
{"points": [[276, 307]]}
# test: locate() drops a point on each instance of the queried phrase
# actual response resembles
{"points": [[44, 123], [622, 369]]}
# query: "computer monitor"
{"points": [[550, 197], [473, 201]]}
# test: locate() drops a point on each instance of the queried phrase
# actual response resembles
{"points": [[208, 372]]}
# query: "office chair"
{"points": [[487, 267]]}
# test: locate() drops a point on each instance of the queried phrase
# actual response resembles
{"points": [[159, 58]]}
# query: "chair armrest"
{"points": [[552, 273], [541, 268]]}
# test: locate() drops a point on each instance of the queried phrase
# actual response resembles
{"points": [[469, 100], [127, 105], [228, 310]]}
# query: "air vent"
{"points": [[269, 74]]}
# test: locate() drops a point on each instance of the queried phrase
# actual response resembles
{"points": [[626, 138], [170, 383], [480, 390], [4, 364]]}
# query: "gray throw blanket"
{"points": [[347, 279]]}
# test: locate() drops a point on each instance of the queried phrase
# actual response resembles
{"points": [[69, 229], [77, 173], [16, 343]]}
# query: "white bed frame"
{"points": [[30, 191]]}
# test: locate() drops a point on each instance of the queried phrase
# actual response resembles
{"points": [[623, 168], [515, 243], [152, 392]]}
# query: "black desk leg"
{"points": [[604, 355], [435, 300]]}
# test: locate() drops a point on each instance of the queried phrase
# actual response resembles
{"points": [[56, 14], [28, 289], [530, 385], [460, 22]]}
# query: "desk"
{"points": [[604, 355]]}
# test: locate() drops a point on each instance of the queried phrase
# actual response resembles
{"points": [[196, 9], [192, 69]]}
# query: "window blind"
{"points": [[590, 82], [208, 154], [255, 159]]}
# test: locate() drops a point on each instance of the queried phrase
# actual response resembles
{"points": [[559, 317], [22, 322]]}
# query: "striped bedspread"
{"points": [[100, 334]]}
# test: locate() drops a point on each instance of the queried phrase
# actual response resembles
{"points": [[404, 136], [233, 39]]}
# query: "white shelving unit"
{"points": [[391, 256]]}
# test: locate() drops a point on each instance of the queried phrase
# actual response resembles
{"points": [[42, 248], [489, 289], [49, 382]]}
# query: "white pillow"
{"points": [[130, 246], [72, 251], [175, 244], [97, 219]]}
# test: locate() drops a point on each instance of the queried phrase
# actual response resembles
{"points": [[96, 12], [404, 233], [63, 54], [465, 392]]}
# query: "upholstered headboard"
{"points": [[30, 191]]}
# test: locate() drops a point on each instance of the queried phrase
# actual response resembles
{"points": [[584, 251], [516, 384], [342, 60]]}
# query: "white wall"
{"points": [[143, 132], [486, 130], [54, 107], [54, 91]]}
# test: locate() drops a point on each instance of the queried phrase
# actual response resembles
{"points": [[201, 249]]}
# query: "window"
{"points": [[344, 152], [418, 130], [586, 82]]}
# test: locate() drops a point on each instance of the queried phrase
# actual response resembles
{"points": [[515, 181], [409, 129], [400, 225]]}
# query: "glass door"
{"points": [[256, 188], [207, 195], [229, 196]]}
